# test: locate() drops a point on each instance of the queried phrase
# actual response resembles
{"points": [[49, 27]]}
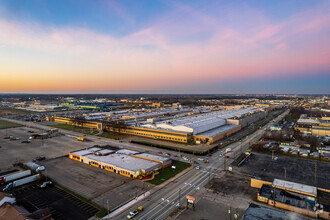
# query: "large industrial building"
{"points": [[128, 163], [315, 125], [200, 125]]}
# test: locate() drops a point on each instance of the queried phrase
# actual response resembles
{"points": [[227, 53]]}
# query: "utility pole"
{"points": [[285, 173], [315, 174], [224, 164], [108, 207], [272, 154]]}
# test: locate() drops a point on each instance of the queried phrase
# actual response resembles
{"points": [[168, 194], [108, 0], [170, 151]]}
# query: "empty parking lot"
{"points": [[15, 150], [102, 187], [297, 169]]}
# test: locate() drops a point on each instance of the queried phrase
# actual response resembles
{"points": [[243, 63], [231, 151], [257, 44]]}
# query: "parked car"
{"points": [[40, 158], [44, 184], [41, 168], [26, 141]]}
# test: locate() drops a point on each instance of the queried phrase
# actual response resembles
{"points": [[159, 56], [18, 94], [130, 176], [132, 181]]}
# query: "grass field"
{"points": [[168, 172], [13, 111], [75, 129], [195, 152], [7, 124]]}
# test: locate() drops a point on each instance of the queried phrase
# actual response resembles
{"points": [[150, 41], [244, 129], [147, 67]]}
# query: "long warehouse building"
{"points": [[125, 162]]}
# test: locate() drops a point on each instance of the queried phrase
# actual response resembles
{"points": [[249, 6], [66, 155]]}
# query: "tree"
{"points": [[78, 120], [115, 126]]}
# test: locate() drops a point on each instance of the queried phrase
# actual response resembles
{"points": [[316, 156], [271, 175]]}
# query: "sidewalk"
{"points": [[127, 205]]}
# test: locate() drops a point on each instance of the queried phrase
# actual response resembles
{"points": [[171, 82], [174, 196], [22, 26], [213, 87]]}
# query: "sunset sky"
{"points": [[165, 46]]}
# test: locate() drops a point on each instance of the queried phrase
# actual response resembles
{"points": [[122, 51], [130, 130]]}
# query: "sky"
{"points": [[164, 46]]}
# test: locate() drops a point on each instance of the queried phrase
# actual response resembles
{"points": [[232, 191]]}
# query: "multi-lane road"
{"points": [[163, 201]]}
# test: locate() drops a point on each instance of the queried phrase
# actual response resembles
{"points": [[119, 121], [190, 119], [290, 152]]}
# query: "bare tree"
{"points": [[115, 126], [78, 121]]}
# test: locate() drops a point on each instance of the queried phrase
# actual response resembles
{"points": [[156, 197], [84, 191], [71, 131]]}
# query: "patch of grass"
{"points": [[14, 111], [102, 211], [182, 150], [112, 135], [75, 129], [168, 172], [7, 124]]}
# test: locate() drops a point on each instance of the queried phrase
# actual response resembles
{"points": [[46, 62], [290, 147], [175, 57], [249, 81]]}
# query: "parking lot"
{"points": [[226, 191], [61, 204], [102, 187], [298, 170], [14, 150]]}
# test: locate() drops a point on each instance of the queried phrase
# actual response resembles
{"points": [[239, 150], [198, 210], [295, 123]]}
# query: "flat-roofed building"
{"points": [[295, 187], [123, 161], [163, 160]]}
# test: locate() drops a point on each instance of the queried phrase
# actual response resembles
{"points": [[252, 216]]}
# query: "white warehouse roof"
{"points": [[295, 186]]}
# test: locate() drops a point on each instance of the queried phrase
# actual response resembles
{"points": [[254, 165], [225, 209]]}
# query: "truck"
{"points": [[81, 139], [15, 176], [21, 182]]}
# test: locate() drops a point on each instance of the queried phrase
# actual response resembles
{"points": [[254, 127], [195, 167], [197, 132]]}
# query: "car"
{"points": [[40, 158], [197, 168], [26, 141], [160, 152], [31, 131], [41, 168], [44, 184], [7, 137], [175, 155], [132, 214]]}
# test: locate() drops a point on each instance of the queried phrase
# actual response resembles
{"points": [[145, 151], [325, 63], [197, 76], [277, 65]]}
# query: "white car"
{"points": [[132, 214], [44, 184], [41, 168]]}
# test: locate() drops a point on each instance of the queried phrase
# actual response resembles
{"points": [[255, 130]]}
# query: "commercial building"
{"points": [[163, 160], [296, 197], [125, 162], [316, 125], [184, 125]]}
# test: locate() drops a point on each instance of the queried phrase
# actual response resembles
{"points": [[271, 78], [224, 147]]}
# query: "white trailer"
{"points": [[21, 182], [15, 176]]}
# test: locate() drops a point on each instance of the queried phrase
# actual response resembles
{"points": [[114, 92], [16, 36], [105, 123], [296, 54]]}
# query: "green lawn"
{"points": [[112, 135], [75, 129], [168, 172], [7, 124]]}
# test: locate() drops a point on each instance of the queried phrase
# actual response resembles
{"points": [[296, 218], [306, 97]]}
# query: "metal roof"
{"points": [[295, 186], [126, 162], [153, 157], [86, 151]]}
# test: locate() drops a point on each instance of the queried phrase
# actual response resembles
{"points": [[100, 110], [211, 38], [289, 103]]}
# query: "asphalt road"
{"points": [[162, 203]]}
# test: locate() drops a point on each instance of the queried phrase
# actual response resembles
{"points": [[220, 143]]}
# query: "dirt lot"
{"points": [[12, 151], [225, 192], [93, 183], [298, 170]]}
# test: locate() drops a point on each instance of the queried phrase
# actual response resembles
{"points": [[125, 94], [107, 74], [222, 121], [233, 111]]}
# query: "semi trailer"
{"points": [[21, 182]]}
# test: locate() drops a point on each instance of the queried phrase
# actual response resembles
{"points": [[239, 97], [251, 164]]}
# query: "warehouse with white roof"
{"points": [[125, 162]]}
